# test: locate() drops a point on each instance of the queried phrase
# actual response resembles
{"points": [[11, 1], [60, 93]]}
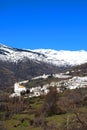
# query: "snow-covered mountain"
{"points": [[58, 58], [20, 64], [14, 55], [64, 57]]}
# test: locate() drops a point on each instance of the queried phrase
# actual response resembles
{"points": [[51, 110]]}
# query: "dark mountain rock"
{"points": [[23, 70]]}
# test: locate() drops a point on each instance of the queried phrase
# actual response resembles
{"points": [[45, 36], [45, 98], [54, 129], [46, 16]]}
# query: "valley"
{"points": [[42, 89]]}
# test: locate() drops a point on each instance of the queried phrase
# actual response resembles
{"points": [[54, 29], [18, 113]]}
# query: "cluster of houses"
{"points": [[68, 82], [33, 92]]}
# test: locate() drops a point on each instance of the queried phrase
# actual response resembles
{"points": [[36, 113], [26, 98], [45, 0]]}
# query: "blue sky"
{"points": [[54, 24]]}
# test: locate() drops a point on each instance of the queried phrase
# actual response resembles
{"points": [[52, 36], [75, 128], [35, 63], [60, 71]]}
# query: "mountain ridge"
{"points": [[58, 58]]}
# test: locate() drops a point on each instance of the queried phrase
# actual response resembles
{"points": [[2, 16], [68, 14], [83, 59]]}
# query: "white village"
{"points": [[68, 82]]}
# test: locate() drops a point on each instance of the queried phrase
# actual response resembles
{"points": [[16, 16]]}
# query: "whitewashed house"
{"points": [[18, 88]]}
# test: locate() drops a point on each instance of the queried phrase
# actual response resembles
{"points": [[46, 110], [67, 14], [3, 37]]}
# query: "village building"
{"points": [[18, 88]]}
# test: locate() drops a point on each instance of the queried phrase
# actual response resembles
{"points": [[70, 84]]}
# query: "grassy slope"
{"points": [[59, 120]]}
